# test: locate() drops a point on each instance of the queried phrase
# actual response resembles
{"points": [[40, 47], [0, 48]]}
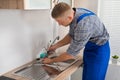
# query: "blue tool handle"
{"points": [[43, 55]]}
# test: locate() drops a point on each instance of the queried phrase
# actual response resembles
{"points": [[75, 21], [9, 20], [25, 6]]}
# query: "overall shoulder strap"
{"points": [[85, 14]]}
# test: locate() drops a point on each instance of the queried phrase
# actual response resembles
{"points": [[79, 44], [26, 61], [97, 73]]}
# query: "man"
{"points": [[86, 31]]}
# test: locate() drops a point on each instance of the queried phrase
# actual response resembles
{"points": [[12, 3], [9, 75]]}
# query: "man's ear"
{"points": [[69, 17]]}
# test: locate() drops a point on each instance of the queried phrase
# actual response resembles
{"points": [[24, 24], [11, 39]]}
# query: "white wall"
{"points": [[89, 4], [22, 35]]}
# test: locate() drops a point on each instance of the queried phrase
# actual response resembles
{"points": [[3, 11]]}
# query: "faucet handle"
{"points": [[48, 45], [58, 37], [51, 43]]}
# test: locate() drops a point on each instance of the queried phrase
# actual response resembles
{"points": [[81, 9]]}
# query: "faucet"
{"points": [[51, 43], [44, 51], [57, 38]]}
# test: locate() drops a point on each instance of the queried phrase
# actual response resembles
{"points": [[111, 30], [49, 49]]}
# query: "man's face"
{"points": [[64, 21]]}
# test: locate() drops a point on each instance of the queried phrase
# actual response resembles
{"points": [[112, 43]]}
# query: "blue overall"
{"points": [[95, 58]]}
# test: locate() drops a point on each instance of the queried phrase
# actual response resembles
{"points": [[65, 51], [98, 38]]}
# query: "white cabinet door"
{"points": [[37, 4], [66, 1]]}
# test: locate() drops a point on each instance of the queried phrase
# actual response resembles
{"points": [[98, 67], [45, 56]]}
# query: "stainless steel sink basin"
{"points": [[33, 72], [39, 71]]}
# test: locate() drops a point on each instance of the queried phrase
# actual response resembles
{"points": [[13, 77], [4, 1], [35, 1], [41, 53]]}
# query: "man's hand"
{"points": [[47, 61], [52, 48], [66, 40], [63, 57]]}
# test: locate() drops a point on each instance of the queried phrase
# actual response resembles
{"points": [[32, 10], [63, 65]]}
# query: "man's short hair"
{"points": [[60, 9]]}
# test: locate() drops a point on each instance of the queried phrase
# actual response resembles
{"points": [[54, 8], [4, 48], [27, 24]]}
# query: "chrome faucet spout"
{"points": [[51, 43], [57, 38]]}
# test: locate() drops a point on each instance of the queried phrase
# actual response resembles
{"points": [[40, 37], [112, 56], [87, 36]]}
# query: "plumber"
{"points": [[86, 31]]}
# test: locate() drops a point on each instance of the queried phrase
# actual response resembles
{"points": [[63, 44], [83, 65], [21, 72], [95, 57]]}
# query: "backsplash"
{"points": [[23, 33]]}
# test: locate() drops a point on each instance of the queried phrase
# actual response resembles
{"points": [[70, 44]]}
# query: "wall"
{"points": [[22, 35], [90, 4]]}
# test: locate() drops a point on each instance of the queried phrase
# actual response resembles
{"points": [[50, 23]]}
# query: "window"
{"points": [[109, 12]]}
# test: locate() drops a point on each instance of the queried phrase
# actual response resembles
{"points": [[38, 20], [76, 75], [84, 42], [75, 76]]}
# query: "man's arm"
{"points": [[63, 57], [66, 40]]}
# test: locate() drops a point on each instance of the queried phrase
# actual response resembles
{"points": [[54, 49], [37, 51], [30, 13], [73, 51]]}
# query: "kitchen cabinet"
{"points": [[37, 4], [11, 4], [44, 4], [31, 4], [25, 4]]}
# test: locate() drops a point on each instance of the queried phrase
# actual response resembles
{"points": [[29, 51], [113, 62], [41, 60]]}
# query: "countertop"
{"points": [[59, 75]]}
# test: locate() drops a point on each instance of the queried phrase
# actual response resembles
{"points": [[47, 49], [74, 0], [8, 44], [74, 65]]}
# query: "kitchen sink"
{"points": [[33, 72], [40, 71]]}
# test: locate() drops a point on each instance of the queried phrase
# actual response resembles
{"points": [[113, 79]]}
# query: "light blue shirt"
{"points": [[90, 28]]}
